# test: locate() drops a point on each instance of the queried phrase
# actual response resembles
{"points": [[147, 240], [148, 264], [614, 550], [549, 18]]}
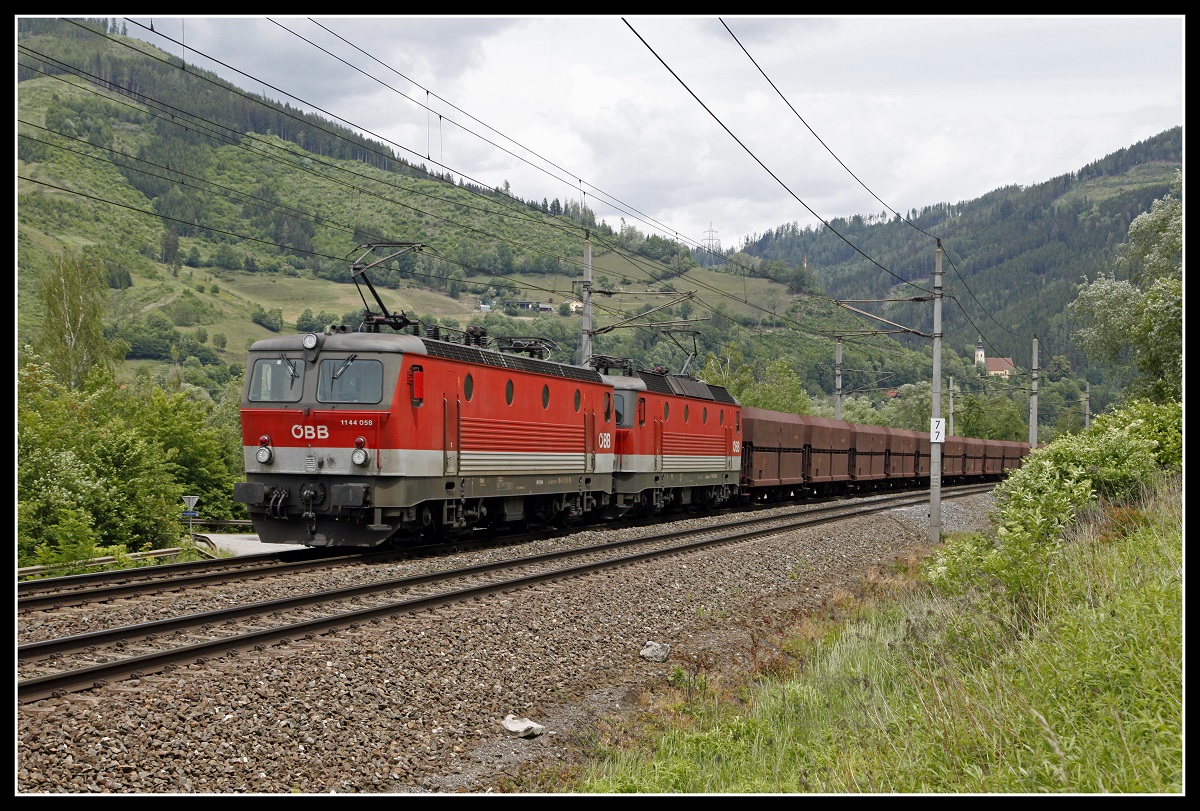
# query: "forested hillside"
{"points": [[1020, 251], [218, 217]]}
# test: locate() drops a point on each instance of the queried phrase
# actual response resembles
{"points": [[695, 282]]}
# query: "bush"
{"points": [[1160, 423], [272, 319], [1114, 459]]}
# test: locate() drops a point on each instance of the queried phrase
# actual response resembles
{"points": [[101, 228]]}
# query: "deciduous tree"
{"points": [[1138, 321], [72, 338]]}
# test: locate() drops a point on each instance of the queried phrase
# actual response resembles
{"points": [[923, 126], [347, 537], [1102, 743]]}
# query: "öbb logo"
{"points": [[310, 431]]}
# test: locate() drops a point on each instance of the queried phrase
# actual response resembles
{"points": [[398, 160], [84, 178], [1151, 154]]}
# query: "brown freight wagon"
{"points": [[773, 450], [1014, 454], [829, 452], [924, 456], [993, 459], [953, 457], [870, 453], [974, 448], [901, 455]]}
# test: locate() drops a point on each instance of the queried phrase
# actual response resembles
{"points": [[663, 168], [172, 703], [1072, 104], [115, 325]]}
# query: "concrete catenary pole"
{"points": [[1033, 425], [936, 435], [837, 380], [585, 343]]}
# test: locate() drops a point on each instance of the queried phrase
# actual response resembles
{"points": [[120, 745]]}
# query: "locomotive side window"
{"points": [[666, 411], [641, 411], [577, 399], [277, 380], [685, 413], [508, 392], [704, 415], [349, 380], [545, 396], [468, 387], [722, 419]]}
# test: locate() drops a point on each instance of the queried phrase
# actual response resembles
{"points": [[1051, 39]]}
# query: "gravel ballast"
{"points": [[419, 703]]}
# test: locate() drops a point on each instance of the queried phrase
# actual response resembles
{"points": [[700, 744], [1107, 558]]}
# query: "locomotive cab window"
{"points": [[349, 380], [624, 417], [277, 380]]}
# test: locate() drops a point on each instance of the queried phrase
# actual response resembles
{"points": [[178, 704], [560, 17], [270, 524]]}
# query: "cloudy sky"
{"points": [[718, 127]]}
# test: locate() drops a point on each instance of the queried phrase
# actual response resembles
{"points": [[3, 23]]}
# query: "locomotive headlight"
{"points": [[309, 341], [264, 455], [360, 457]]}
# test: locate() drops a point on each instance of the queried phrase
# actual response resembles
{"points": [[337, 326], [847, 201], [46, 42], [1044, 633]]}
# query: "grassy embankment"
{"points": [[1046, 659]]}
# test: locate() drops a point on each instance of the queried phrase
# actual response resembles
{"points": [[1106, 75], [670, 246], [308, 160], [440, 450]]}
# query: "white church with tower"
{"points": [[994, 367]]}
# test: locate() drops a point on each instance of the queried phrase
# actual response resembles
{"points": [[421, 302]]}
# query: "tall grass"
{"points": [[1072, 683]]}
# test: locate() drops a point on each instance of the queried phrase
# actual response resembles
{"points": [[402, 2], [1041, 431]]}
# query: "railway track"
{"points": [[82, 589], [53, 593], [55, 667]]}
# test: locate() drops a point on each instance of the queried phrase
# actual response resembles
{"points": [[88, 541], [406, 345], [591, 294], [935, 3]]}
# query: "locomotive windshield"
{"points": [[349, 380], [277, 380]]}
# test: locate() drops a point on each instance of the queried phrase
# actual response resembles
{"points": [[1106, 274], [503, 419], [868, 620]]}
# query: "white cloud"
{"points": [[922, 110]]}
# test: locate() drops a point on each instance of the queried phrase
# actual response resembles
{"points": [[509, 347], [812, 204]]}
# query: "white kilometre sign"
{"points": [[937, 429]]}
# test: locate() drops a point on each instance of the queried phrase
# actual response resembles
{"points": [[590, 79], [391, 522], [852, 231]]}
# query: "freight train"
{"points": [[365, 438]]}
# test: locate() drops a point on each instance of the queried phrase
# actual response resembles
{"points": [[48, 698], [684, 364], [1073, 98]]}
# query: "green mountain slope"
{"points": [[219, 213], [1013, 257]]}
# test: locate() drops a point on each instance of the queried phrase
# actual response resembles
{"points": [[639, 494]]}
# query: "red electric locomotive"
{"points": [[362, 438], [356, 438], [678, 441]]}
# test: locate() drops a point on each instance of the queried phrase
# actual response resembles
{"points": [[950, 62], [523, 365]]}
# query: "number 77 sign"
{"points": [[937, 429]]}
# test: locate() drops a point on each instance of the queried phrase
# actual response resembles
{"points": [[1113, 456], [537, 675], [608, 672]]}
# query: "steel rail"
{"points": [[40, 687]]}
